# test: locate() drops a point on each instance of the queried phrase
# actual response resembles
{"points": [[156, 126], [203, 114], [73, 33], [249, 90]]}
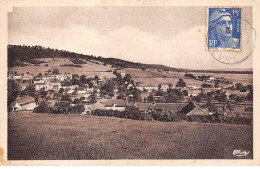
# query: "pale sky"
{"points": [[172, 36]]}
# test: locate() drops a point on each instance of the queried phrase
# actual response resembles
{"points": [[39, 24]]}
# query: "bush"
{"points": [[62, 107], [77, 109], [166, 116], [66, 98], [43, 107], [130, 113]]}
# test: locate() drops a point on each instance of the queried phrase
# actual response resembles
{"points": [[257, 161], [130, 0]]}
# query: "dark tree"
{"points": [[172, 98], [198, 98], [185, 92], [159, 93], [61, 90], [120, 96], [238, 86], [250, 95], [206, 85], [43, 107], [128, 78], [76, 101], [13, 91], [181, 83], [83, 79], [55, 72], [66, 97], [136, 95], [150, 98], [62, 107], [93, 98]]}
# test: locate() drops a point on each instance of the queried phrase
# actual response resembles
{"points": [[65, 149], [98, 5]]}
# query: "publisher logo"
{"points": [[240, 153]]}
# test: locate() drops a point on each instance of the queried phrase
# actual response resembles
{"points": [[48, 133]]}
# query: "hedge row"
{"points": [[219, 119], [172, 117], [62, 107], [134, 115]]}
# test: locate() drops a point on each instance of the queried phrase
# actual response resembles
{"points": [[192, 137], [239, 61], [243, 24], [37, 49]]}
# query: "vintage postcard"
{"points": [[129, 83]]}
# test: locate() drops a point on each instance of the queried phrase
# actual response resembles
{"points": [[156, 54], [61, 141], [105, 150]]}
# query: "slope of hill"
{"points": [[18, 56]]}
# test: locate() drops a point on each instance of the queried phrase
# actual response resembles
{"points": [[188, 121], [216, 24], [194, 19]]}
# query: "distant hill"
{"points": [[18, 55]]}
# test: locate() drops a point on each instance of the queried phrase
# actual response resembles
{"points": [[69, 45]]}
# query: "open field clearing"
{"points": [[90, 69], [67, 137], [244, 79], [173, 81], [138, 73]]}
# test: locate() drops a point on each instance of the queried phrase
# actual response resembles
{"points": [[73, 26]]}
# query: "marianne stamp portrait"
{"points": [[224, 28]]}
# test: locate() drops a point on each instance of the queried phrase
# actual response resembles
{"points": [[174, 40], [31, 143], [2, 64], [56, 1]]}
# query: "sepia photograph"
{"points": [[130, 83]]}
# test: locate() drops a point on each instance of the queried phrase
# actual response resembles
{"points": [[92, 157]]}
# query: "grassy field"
{"points": [[244, 79], [61, 137], [90, 69]]}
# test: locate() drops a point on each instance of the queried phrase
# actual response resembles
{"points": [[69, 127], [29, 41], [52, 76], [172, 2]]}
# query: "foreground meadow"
{"points": [[68, 137]]}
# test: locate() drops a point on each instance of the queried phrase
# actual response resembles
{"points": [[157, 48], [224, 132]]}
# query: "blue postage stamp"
{"points": [[224, 28]]}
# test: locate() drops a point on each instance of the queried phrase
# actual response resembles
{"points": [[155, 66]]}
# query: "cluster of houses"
{"points": [[54, 82], [189, 108]]}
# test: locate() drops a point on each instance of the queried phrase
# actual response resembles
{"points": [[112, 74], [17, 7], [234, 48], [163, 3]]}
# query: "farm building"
{"points": [[164, 86], [193, 92], [16, 76], [48, 78], [70, 91], [39, 86], [129, 86], [207, 90], [232, 92], [26, 103], [90, 108], [90, 90], [122, 74], [27, 77], [81, 90], [116, 104], [181, 108], [38, 80], [169, 107], [193, 86], [23, 86], [54, 85], [145, 107], [192, 109], [148, 87]]}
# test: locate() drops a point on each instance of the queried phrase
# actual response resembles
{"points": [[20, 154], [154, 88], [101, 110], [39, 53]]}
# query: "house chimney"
{"points": [[114, 105]]}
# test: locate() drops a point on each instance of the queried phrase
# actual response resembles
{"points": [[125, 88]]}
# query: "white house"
{"points": [[148, 87], [90, 90], [123, 74], [17, 76], [16, 107], [54, 85], [129, 86], [38, 80], [164, 86], [26, 103], [70, 91], [116, 104], [193, 86], [193, 92], [39, 86], [211, 78], [27, 77], [81, 90]]}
